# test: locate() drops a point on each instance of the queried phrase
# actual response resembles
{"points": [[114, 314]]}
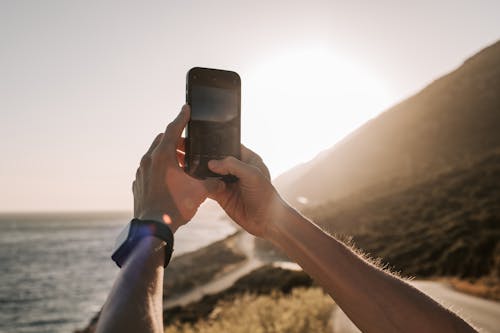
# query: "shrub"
{"points": [[303, 310]]}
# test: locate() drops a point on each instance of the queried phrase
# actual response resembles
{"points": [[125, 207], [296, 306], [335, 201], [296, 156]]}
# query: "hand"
{"points": [[162, 190], [252, 201]]}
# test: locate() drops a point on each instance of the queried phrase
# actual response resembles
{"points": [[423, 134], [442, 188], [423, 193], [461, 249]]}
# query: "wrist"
{"points": [[287, 229], [149, 252], [281, 212], [131, 239]]}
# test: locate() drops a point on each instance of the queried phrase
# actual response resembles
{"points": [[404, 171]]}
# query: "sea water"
{"points": [[56, 271]]}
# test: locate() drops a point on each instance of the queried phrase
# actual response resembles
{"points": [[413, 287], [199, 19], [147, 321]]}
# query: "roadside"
{"points": [[486, 287], [481, 313]]}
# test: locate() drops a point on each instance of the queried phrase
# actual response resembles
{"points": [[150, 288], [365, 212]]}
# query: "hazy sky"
{"points": [[86, 85]]}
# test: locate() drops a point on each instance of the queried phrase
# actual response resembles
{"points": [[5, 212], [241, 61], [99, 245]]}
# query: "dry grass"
{"points": [[303, 310], [487, 287]]}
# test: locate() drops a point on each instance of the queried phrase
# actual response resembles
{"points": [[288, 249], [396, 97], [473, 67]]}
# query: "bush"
{"points": [[303, 310]]}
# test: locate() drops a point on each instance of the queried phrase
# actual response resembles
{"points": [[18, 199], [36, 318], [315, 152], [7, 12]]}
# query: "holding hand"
{"points": [[162, 190], [252, 201]]}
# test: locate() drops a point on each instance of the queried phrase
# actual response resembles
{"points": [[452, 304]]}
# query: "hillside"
{"points": [[447, 226], [452, 122]]}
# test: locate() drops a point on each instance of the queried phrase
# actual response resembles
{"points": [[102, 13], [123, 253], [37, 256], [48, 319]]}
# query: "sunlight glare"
{"points": [[303, 101]]}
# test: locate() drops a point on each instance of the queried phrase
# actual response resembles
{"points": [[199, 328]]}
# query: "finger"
{"points": [[175, 128], [155, 143], [147, 157], [166, 148], [250, 157], [231, 166]]}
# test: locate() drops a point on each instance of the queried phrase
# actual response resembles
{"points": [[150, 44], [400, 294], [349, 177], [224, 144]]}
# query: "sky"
{"points": [[86, 85]]}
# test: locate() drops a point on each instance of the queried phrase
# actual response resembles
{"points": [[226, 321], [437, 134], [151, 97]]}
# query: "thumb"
{"points": [[230, 165]]}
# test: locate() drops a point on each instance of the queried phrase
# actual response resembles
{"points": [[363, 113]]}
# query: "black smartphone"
{"points": [[213, 131]]}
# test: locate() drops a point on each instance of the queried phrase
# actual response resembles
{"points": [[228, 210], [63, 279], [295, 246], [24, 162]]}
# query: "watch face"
{"points": [[122, 237]]}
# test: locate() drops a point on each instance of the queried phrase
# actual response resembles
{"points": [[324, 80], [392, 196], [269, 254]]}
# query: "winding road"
{"points": [[246, 245]]}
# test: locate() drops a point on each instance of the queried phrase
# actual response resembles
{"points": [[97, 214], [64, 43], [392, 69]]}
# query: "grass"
{"points": [[302, 310], [487, 287], [265, 280]]}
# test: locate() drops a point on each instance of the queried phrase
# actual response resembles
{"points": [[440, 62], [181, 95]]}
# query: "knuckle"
{"points": [[231, 160], [145, 161], [258, 158], [171, 127], [255, 174], [159, 156], [170, 146]]}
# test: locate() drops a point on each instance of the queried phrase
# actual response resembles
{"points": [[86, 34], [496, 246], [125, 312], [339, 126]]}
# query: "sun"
{"points": [[303, 101]]}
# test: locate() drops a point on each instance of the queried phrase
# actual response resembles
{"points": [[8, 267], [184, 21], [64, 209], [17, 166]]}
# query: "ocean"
{"points": [[56, 270]]}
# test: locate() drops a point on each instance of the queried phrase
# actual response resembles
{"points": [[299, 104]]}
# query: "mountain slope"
{"points": [[446, 226], [452, 122]]}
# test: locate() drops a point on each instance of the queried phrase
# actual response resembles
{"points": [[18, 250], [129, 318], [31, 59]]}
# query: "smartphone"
{"points": [[213, 131]]}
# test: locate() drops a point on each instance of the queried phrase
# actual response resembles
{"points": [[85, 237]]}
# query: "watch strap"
{"points": [[140, 229]]}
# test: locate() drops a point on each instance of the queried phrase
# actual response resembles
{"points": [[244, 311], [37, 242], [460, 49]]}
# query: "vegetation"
{"points": [[266, 280], [302, 310], [449, 226], [486, 287]]}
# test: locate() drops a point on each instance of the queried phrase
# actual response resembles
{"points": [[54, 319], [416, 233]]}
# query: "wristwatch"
{"points": [[137, 229]]}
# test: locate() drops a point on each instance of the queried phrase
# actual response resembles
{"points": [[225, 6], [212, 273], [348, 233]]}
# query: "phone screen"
{"points": [[213, 104], [213, 131]]}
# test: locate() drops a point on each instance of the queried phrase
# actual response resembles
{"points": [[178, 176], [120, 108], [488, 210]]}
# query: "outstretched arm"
{"points": [[135, 302], [375, 300], [162, 192]]}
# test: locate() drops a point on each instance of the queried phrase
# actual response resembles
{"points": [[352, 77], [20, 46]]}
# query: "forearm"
{"points": [[376, 301], [135, 302]]}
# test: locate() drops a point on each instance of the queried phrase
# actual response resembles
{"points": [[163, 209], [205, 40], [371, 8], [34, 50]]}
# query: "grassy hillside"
{"points": [[446, 226], [452, 121]]}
